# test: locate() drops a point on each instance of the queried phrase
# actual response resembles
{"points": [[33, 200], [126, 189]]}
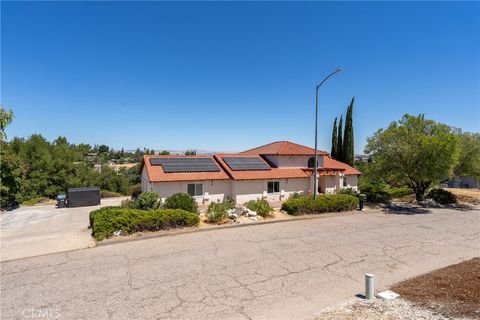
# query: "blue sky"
{"points": [[229, 76]]}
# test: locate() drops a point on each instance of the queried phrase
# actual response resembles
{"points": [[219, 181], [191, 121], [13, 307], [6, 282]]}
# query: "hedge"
{"points": [[375, 192], [105, 221], [324, 203]]}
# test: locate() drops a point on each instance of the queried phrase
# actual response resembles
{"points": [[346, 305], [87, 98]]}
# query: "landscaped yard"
{"points": [[180, 213]]}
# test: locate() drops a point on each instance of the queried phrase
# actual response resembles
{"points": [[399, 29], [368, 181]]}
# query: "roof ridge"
{"points": [[263, 145]]}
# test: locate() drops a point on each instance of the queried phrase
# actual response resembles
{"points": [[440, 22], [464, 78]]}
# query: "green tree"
{"points": [[12, 174], [348, 148], [469, 157], [164, 153], [6, 117], [103, 148], [414, 151], [340, 140], [334, 140], [190, 152]]}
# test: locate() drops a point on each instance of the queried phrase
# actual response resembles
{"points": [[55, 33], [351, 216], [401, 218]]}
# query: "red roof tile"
{"points": [[285, 148], [329, 163], [274, 173], [156, 173]]}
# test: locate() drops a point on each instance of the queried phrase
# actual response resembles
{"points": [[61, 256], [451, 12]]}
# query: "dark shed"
{"points": [[79, 197]]}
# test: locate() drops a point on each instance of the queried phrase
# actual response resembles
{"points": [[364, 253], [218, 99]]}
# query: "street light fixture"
{"points": [[315, 181]]}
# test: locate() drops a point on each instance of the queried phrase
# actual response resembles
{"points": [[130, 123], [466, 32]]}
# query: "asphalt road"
{"points": [[36, 230], [289, 270]]}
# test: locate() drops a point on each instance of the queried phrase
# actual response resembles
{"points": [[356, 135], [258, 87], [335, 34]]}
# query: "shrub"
{"points": [[262, 207], [135, 190], [148, 201], [217, 211], [442, 196], [295, 195], [349, 191], [324, 203], [34, 201], [375, 192], [181, 201], [109, 194], [105, 221], [129, 203], [399, 192]]}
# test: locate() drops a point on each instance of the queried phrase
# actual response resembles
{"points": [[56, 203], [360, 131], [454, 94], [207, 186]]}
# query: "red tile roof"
{"points": [[331, 166], [329, 163], [156, 173], [285, 148], [274, 173]]}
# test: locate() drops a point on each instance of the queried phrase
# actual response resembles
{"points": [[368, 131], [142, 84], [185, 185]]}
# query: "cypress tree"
{"points": [[348, 149], [339, 155], [334, 140]]}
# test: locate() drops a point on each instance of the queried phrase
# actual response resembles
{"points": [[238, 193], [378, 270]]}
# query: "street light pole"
{"points": [[315, 180]]}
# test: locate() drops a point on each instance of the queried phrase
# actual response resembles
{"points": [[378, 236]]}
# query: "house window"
{"points": [[344, 181], [195, 189], [273, 186], [311, 162]]}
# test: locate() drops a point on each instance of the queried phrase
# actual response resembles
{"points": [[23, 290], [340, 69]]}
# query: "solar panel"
{"points": [[246, 163], [185, 164]]}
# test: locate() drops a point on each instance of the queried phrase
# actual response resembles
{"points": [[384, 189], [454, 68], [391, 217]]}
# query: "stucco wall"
{"points": [[218, 190], [145, 183], [332, 184], [328, 184], [292, 161], [247, 190], [352, 181]]}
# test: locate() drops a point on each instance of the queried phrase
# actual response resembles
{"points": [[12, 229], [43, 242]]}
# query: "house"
{"points": [[272, 172], [468, 182]]}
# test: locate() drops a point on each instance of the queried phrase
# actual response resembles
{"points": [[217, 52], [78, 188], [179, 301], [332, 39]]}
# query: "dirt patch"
{"points": [[468, 196], [453, 291], [378, 309]]}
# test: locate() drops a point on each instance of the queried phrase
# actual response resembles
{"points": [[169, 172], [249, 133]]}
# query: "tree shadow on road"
{"points": [[406, 209]]}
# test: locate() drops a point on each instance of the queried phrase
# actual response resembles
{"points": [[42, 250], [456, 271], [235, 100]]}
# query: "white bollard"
{"points": [[369, 286]]}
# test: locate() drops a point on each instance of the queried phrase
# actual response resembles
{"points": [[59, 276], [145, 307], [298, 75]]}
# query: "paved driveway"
{"points": [[287, 270], [37, 230]]}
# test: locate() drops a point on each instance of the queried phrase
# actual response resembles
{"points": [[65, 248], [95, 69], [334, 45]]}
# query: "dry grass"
{"points": [[467, 196]]}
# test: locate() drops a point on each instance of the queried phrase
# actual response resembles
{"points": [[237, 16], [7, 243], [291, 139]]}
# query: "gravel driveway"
{"points": [[37, 230], [288, 270]]}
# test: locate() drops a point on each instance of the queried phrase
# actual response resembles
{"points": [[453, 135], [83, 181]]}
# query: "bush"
{"points": [[129, 203], [109, 194], [295, 195], [105, 221], [34, 201], [148, 201], [442, 196], [349, 191], [399, 192], [375, 192], [262, 207], [181, 201], [217, 212], [324, 203], [135, 190]]}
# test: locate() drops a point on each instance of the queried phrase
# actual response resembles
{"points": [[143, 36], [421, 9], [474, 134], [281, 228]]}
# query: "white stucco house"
{"points": [[271, 172]]}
